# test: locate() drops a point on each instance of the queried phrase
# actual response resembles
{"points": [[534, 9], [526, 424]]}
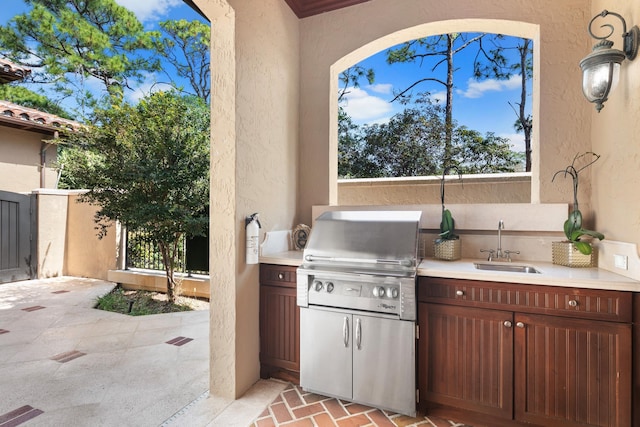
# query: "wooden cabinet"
{"points": [[279, 323], [465, 359], [503, 354], [572, 372]]}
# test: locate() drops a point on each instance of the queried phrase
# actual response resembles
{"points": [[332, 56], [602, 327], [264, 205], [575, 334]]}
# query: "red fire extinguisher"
{"points": [[252, 226]]}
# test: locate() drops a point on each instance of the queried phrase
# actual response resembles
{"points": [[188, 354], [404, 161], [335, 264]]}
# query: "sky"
{"points": [[148, 12], [479, 105]]}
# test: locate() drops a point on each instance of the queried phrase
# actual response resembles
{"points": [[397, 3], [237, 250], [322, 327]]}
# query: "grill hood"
{"points": [[368, 240]]}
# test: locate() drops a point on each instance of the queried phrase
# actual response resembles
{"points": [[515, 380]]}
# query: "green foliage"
{"points": [[141, 303], [148, 169], [27, 98], [490, 61], [477, 154], [412, 143], [66, 41], [447, 224], [351, 78], [185, 45], [573, 225]]}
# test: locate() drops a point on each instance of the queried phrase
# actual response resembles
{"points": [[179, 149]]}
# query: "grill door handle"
{"points": [[358, 334], [345, 331]]}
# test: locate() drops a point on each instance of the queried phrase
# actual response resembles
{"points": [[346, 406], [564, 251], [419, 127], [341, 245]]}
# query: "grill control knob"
{"points": [[329, 287], [317, 285], [378, 291], [393, 292]]}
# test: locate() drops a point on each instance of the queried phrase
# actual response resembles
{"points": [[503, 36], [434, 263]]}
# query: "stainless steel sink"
{"points": [[512, 268]]}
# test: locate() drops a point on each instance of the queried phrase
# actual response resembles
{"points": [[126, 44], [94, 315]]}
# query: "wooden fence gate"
{"points": [[17, 237]]}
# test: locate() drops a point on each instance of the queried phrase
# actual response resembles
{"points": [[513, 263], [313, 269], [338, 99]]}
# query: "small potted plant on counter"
{"points": [[574, 252], [447, 246]]}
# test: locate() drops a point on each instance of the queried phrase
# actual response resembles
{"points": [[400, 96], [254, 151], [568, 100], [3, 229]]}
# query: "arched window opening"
{"points": [[456, 94]]}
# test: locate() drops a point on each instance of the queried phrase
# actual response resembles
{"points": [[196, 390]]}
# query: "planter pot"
{"points": [[448, 250], [565, 253]]}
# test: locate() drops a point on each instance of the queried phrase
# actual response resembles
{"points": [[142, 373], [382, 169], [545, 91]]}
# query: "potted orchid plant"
{"points": [[447, 246], [575, 252]]}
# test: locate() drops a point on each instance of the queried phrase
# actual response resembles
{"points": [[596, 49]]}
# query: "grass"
{"points": [[137, 303]]}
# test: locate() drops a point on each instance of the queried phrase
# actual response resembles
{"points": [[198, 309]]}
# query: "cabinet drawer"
{"points": [[558, 301], [278, 275]]}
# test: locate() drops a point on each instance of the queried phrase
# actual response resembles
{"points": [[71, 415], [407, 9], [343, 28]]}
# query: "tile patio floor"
{"points": [[297, 408], [64, 363]]}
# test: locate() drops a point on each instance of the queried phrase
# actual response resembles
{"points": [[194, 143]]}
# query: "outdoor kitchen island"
{"points": [[557, 348]]}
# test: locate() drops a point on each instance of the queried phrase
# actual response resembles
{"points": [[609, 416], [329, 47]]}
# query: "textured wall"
{"points": [[85, 254], [20, 160], [67, 243], [328, 38], [254, 154], [614, 136], [512, 188], [52, 232]]}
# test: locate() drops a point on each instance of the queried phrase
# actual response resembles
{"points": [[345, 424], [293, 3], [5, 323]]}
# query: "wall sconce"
{"points": [[601, 68]]}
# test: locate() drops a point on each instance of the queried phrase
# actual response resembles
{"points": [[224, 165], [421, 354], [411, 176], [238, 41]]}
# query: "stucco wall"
{"points": [[254, 156], [615, 137], [67, 243], [20, 160], [505, 188], [85, 254], [52, 232], [564, 119]]}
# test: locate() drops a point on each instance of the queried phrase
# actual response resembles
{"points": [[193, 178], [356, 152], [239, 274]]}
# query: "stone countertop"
{"points": [[550, 274], [291, 258]]}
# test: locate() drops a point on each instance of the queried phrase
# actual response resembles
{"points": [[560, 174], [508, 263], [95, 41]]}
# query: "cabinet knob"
{"points": [[507, 324], [459, 293], [281, 276], [573, 303], [520, 325]]}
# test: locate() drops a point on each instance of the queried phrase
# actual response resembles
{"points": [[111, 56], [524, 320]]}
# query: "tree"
{"points": [[489, 154], [186, 47], [27, 98], [436, 51], [351, 78], [497, 66], [419, 50], [412, 143], [65, 42], [149, 170]]}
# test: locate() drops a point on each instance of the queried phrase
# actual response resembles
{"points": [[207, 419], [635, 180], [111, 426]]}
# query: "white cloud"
{"points": [[476, 89], [149, 85], [383, 88], [440, 97], [146, 10], [517, 141], [363, 107]]}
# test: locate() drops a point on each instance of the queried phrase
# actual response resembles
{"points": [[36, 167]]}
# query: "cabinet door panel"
{"points": [[326, 353], [468, 354], [279, 327], [572, 372], [384, 363]]}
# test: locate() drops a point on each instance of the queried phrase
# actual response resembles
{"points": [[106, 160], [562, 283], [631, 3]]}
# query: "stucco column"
{"points": [[223, 235]]}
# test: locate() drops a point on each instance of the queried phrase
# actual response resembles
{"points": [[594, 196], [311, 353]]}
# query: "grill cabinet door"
{"points": [[325, 352], [384, 363]]}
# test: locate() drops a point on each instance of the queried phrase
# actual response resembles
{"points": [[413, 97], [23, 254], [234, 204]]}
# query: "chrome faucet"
{"points": [[499, 253], [500, 228]]}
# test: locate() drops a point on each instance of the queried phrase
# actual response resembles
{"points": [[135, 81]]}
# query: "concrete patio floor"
{"points": [[64, 363]]}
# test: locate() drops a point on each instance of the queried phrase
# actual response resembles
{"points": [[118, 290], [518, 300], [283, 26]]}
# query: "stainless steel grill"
{"points": [[357, 293]]}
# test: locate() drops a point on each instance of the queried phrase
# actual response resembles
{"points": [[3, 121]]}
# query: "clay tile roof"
{"points": [[10, 72], [16, 116]]}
